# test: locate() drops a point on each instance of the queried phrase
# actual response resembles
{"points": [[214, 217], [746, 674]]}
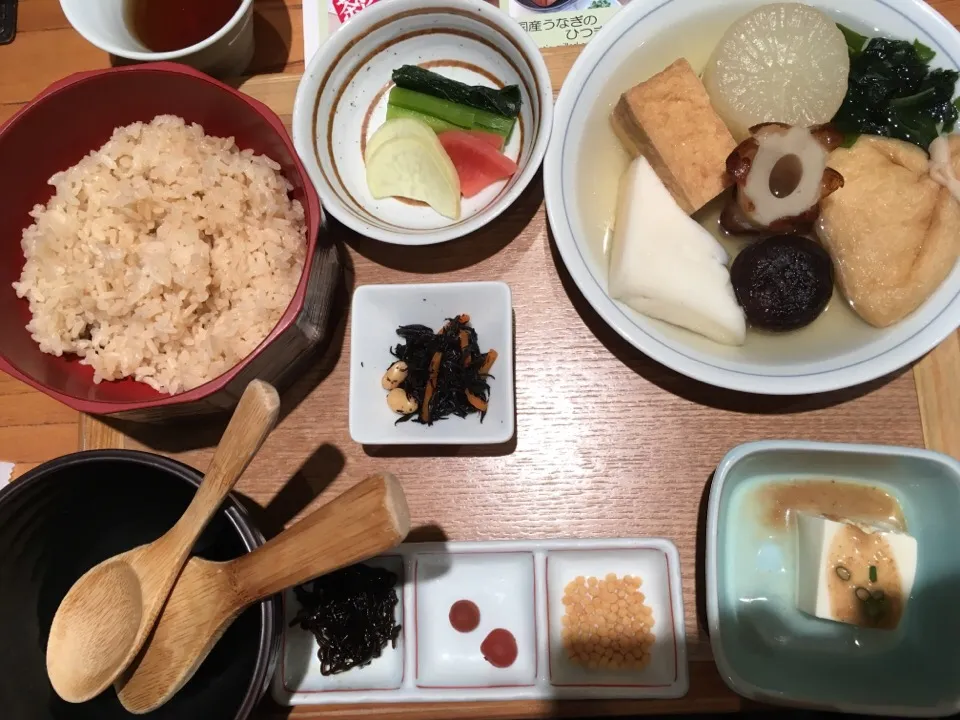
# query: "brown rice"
{"points": [[167, 255]]}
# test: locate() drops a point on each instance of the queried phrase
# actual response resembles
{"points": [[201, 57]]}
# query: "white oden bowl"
{"points": [[342, 100], [785, 365], [376, 313]]}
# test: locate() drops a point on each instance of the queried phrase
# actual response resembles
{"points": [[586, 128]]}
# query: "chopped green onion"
{"points": [[842, 573], [873, 573]]}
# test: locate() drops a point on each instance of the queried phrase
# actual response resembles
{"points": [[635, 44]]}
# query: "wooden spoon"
{"points": [[365, 521], [107, 615]]}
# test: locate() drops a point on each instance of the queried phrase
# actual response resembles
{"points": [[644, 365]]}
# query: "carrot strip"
{"points": [[477, 402], [431, 387], [462, 319], [488, 362]]}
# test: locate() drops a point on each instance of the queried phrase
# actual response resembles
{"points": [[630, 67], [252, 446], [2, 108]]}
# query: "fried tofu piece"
{"points": [[669, 120], [892, 230]]}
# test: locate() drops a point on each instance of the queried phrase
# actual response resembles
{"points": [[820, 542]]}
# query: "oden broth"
{"points": [[602, 161]]}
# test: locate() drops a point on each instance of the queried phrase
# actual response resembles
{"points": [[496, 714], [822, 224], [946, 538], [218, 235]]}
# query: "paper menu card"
{"points": [[549, 22], [552, 23]]}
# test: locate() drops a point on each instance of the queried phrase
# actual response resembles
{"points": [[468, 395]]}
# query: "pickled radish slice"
{"points": [[411, 163], [784, 62], [392, 129]]}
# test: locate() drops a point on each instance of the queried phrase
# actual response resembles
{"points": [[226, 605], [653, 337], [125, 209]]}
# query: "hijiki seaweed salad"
{"points": [[438, 374], [351, 614]]}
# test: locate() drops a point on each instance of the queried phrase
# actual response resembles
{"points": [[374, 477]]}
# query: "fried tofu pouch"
{"points": [[893, 232]]}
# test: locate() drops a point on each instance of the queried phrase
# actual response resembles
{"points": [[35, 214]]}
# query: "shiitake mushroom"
{"points": [[782, 283]]}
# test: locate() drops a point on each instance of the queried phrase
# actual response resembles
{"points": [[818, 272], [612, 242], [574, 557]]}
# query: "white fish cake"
{"points": [[665, 265]]}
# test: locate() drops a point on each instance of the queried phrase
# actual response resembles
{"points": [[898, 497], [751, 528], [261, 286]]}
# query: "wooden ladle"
{"points": [[365, 521], [107, 615]]}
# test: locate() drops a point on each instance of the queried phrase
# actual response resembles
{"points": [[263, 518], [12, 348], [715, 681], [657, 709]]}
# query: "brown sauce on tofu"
{"points": [[832, 499]]}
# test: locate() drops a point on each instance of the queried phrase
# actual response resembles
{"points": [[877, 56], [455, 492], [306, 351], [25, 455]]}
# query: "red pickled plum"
{"points": [[464, 616], [499, 648]]}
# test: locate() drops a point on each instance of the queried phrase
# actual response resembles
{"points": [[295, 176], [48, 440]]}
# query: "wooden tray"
{"points": [[608, 444]]}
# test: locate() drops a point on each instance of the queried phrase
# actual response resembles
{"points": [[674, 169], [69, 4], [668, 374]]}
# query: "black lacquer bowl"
{"points": [[67, 515]]}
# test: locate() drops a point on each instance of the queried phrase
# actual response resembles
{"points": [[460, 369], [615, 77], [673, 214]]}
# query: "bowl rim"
{"points": [[665, 350], [734, 680], [313, 216], [271, 621], [146, 55], [352, 31]]}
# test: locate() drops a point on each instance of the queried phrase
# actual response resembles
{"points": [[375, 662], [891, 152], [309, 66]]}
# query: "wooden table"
{"points": [[609, 443]]}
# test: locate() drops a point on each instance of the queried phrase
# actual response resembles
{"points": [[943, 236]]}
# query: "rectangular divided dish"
{"points": [[518, 586]]}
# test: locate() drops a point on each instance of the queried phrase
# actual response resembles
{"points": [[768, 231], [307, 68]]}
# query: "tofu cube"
{"points": [[669, 120], [817, 571]]}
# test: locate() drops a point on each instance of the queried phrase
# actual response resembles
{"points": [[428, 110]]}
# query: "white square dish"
{"points": [[651, 563], [300, 668], [501, 585], [377, 312]]}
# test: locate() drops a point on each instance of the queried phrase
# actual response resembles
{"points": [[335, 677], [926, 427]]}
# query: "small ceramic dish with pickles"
{"points": [[468, 76], [882, 637]]}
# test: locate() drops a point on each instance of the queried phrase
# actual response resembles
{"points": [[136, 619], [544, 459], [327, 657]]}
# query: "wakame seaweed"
{"points": [[891, 91], [451, 361], [351, 613]]}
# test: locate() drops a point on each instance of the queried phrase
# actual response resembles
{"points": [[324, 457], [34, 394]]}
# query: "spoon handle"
{"points": [[364, 521], [252, 421]]}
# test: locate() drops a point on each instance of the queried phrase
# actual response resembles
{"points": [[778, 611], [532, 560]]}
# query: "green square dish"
{"points": [[769, 651]]}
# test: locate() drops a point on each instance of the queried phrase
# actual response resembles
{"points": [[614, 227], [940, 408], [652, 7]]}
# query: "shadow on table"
{"points": [[407, 451], [694, 390], [700, 555], [272, 37], [298, 493], [456, 254]]}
